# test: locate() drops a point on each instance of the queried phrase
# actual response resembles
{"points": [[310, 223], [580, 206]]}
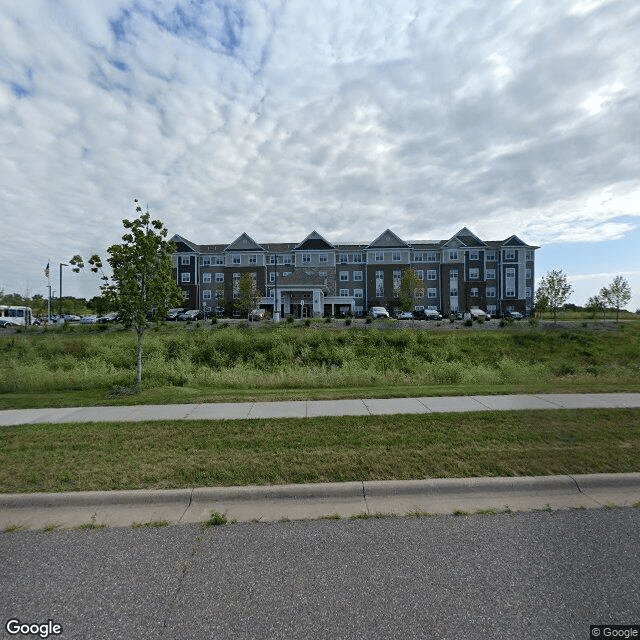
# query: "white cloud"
{"points": [[277, 118]]}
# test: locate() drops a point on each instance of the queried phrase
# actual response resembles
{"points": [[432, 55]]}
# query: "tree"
{"points": [[410, 285], [555, 290], [617, 294], [595, 304], [248, 294], [142, 279]]}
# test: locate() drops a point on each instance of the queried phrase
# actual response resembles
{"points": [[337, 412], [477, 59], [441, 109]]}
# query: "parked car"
{"points": [[108, 317], [515, 315], [477, 314], [89, 320], [258, 314], [429, 314], [191, 314], [173, 314], [70, 317], [378, 312], [405, 315]]}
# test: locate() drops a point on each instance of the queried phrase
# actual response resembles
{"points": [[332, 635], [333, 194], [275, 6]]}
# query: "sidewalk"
{"points": [[319, 408], [273, 503]]}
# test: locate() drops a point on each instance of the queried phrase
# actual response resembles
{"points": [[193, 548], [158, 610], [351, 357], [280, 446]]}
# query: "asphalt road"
{"points": [[527, 575]]}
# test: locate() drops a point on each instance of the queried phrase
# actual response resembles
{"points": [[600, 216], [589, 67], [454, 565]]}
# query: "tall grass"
{"points": [[220, 357]]}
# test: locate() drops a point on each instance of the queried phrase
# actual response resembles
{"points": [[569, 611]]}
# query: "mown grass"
{"points": [[74, 457], [211, 363]]}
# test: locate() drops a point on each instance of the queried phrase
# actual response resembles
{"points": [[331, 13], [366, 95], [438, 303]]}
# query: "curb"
{"points": [[345, 499]]}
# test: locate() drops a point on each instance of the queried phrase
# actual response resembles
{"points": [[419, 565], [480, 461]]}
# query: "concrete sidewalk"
{"points": [[312, 501], [319, 408]]}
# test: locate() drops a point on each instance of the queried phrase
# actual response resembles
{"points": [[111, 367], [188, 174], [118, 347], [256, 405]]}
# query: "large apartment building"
{"points": [[315, 277]]}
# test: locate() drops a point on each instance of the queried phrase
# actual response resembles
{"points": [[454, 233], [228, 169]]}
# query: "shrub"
{"points": [[289, 319], [468, 322], [347, 322]]}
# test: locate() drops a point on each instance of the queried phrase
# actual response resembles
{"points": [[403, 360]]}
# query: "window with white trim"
{"points": [[510, 254], [418, 256], [491, 292], [432, 274], [287, 260], [344, 276], [432, 292], [185, 260], [453, 254], [219, 277], [206, 261], [185, 277], [306, 258], [379, 256], [490, 274], [474, 255], [272, 276], [185, 294], [396, 256], [490, 255], [206, 294], [253, 259], [236, 259], [323, 258], [343, 258], [358, 293], [432, 256], [510, 273], [206, 277], [379, 284], [344, 293], [474, 274], [357, 276], [219, 261], [420, 274], [473, 292]]}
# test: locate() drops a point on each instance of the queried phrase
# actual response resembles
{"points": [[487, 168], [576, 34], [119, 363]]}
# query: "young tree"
{"points": [[555, 289], [596, 304], [617, 294], [141, 277], [409, 286], [249, 296]]}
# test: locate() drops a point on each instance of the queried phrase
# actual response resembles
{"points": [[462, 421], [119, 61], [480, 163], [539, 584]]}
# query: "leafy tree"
{"points": [[596, 304], [617, 294], [410, 285], [249, 296], [142, 279], [555, 290]]}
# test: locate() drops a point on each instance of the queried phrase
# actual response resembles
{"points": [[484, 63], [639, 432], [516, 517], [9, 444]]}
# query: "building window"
{"points": [[358, 293], [206, 278], [490, 274], [418, 256], [397, 278], [474, 274], [490, 255], [185, 277], [185, 260], [432, 256], [420, 274], [511, 292], [219, 277], [206, 261], [474, 292], [220, 261], [323, 257], [253, 259], [510, 273], [343, 258], [306, 258], [396, 256], [357, 276], [453, 291], [491, 308], [287, 260], [474, 255], [453, 274], [529, 255], [510, 254], [206, 294], [185, 294], [379, 256], [431, 274], [379, 284], [236, 259], [491, 292], [453, 254], [432, 293], [272, 276], [344, 293], [344, 276], [527, 292], [358, 257], [322, 274], [528, 274]]}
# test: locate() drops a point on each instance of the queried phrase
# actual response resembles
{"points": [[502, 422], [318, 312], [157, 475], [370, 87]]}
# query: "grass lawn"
{"points": [[91, 456]]}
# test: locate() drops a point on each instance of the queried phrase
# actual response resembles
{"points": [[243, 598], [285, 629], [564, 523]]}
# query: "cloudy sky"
{"points": [[277, 117]]}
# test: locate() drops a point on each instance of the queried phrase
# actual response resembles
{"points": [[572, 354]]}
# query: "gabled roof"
{"points": [[465, 238], [183, 245], [314, 242], [514, 241], [244, 243], [387, 239]]}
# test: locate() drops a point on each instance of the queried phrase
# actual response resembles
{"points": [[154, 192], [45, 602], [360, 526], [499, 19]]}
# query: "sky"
{"points": [[280, 117]]}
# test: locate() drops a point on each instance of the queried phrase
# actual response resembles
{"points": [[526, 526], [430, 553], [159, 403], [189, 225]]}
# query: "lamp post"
{"points": [[276, 306], [62, 264], [49, 306]]}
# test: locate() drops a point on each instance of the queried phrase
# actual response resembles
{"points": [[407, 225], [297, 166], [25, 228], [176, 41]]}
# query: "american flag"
{"points": [[46, 271]]}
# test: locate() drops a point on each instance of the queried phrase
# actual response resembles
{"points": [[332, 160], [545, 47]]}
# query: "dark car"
{"points": [[514, 315], [192, 314], [108, 318]]}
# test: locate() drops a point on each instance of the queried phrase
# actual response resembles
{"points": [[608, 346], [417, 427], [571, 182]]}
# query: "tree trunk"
{"points": [[139, 358]]}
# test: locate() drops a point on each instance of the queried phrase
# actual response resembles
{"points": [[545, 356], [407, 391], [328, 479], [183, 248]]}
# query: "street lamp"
{"points": [[62, 264], [276, 306]]}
